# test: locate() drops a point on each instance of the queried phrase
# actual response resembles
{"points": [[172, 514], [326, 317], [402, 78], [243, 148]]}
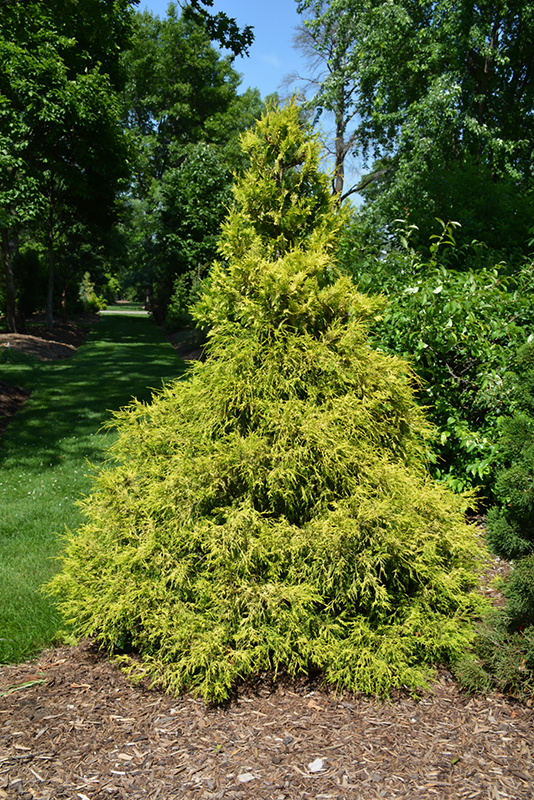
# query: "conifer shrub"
{"points": [[503, 652], [273, 510], [510, 523], [501, 659]]}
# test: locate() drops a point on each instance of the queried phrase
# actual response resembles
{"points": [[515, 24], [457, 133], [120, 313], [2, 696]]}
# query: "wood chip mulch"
{"points": [[71, 726]]}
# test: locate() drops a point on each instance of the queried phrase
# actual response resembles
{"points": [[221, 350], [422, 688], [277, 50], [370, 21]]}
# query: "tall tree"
{"points": [[444, 95], [60, 120], [179, 88], [100, 28], [182, 106], [220, 27], [326, 42], [192, 201]]}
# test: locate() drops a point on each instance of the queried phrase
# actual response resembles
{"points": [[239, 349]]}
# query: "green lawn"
{"points": [[44, 455]]}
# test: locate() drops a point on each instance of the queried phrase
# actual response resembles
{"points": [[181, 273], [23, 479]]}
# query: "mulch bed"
{"points": [[188, 343], [72, 726], [61, 342], [11, 399]]}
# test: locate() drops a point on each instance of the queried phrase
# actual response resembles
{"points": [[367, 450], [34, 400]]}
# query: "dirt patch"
{"points": [[61, 342], [71, 726], [189, 343]]}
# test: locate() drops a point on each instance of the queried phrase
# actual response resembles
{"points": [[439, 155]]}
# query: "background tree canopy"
{"points": [[441, 98], [64, 150], [96, 104], [182, 107]]}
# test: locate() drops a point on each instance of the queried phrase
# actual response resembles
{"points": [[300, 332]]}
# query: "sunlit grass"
{"points": [[45, 454]]}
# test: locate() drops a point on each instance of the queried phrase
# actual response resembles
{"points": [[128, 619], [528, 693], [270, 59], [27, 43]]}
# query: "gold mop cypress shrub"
{"points": [[273, 509]]}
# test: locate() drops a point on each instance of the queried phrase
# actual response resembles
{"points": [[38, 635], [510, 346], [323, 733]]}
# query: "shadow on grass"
{"points": [[123, 357], [43, 460]]}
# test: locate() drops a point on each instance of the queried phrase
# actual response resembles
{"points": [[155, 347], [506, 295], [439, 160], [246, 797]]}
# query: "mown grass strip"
{"points": [[45, 454]]}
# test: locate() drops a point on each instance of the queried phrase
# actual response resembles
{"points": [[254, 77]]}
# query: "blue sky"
{"points": [[272, 56]]}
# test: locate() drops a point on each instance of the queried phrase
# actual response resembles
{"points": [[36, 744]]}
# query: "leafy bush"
{"points": [[111, 289], [184, 293], [86, 288], [460, 331], [273, 509], [90, 300]]}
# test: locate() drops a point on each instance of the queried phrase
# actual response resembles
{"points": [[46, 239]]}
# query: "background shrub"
{"points": [[510, 523], [185, 292], [501, 659], [460, 330], [503, 655]]}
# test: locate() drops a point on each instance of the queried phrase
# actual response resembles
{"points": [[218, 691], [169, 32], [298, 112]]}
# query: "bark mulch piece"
{"points": [[71, 726]]}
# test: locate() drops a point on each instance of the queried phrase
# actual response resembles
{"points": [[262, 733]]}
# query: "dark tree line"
{"points": [[100, 107]]}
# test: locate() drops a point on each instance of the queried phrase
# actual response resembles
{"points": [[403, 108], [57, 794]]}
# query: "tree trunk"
{"points": [[10, 282], [339, 169], [341, 149], [149, 297], [64, 302], [50, 296]]}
